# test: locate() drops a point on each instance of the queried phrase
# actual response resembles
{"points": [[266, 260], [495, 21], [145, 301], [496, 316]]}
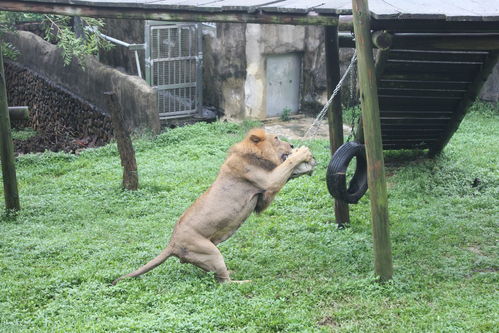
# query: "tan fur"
{"points": [[254, 172]]}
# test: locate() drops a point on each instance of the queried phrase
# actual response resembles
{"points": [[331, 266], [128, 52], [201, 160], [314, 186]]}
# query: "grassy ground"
{"points": [[78, 231]]}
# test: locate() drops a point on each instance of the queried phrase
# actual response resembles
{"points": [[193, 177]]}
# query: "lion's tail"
{"points": [[165, 254]]}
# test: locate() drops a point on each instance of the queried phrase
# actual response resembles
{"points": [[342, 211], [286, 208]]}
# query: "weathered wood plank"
{"points": [[465, 10], [412, 126], [372, 136], [420, 84], [415, 103], [431, 26], [482, 8], [456, 56], [413, 121], [405, 146], [421, 92], [468, 99], [291, 6], [165, 13], [392, 130], [409, 66], [415, 136], [439, 41], [391, 74], [420, 12], [410, 141], [416, 114]]}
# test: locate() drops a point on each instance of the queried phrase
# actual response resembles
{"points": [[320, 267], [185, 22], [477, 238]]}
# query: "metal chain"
{"points": [[314, 128]]}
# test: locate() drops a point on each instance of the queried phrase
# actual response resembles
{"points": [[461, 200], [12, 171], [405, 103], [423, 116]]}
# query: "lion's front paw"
{"points": [[303, 154]]}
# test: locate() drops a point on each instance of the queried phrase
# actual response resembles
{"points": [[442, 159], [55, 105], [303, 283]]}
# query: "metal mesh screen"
{"points": [[175, 68]]}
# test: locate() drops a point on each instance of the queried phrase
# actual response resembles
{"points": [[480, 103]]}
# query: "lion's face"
{"points": [[282, 148], [269, 146]]}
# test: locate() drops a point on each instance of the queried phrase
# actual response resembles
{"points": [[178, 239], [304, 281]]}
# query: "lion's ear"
{"points": [[256, 135]]}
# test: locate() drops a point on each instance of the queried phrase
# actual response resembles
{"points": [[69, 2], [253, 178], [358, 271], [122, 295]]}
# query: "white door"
{"points": [[283, 84]]}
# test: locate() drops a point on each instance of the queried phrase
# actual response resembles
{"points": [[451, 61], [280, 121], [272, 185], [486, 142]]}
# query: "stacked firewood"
{"points": [[56, 113]]}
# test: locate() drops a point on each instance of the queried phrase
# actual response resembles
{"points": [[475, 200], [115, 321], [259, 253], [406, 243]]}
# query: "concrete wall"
{"points": [[259, 41], [137, 99], [235, 66], [129, 31], [224, 68], [490, 90]]}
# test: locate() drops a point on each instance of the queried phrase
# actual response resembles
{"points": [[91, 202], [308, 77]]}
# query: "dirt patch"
{"points": [[52, 142], [328, 321]]}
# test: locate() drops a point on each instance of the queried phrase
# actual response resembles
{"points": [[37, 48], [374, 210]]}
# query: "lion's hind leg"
{"points": [[207, 256]]}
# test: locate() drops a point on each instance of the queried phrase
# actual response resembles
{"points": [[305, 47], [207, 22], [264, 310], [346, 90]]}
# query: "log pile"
{"points": [[62, 120]]}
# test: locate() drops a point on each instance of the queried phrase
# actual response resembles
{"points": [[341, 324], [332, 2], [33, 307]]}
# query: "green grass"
{"points": [[77, 231], [23, 134]]}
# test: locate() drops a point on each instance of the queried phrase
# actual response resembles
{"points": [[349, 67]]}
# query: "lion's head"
{"points": [[263, 149]]}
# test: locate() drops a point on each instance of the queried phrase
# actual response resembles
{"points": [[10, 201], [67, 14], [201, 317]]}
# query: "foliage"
{"points": [[77, 231], [58, 29], [23, 134], [285, 115]]}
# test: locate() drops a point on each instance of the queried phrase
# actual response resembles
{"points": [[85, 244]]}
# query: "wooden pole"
{"points": [[7, 149], [372, 136], [334, 114], [124, 142]]}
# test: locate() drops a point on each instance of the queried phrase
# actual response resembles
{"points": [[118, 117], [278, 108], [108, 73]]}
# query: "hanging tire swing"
{"points": [[336, 173]]}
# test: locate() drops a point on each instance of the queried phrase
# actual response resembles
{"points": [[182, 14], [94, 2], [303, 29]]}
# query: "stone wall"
{"points": [[129, 31], [137, 99], [224, 68], [235, 67]]}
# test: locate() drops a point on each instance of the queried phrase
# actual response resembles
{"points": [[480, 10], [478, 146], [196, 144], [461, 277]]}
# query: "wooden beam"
{"points": [[382, 39], [372, 134], [345, 23], [159, 14], [6, 148], [334, 115], [425, 25], [19, 112], [468, 99], [346, 40], [438, 41], [433, 41]]}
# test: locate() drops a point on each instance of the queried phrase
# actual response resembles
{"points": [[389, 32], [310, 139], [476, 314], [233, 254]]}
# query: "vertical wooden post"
{"points": [[7, 149], [124, 142], [334, 114], [372, 136]]}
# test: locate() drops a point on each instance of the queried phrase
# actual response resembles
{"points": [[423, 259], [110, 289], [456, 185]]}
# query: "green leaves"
{"points": [[58, 30]]}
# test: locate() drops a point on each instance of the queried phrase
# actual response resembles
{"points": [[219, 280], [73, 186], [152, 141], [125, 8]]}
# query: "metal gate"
{"points": [[174, 56]]}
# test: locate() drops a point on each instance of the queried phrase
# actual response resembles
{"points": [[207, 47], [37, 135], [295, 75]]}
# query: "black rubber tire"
{"points": [[336, 173]]}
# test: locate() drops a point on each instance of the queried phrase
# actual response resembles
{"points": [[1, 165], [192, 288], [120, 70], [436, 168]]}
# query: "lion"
{"points": [[253, 173]]}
